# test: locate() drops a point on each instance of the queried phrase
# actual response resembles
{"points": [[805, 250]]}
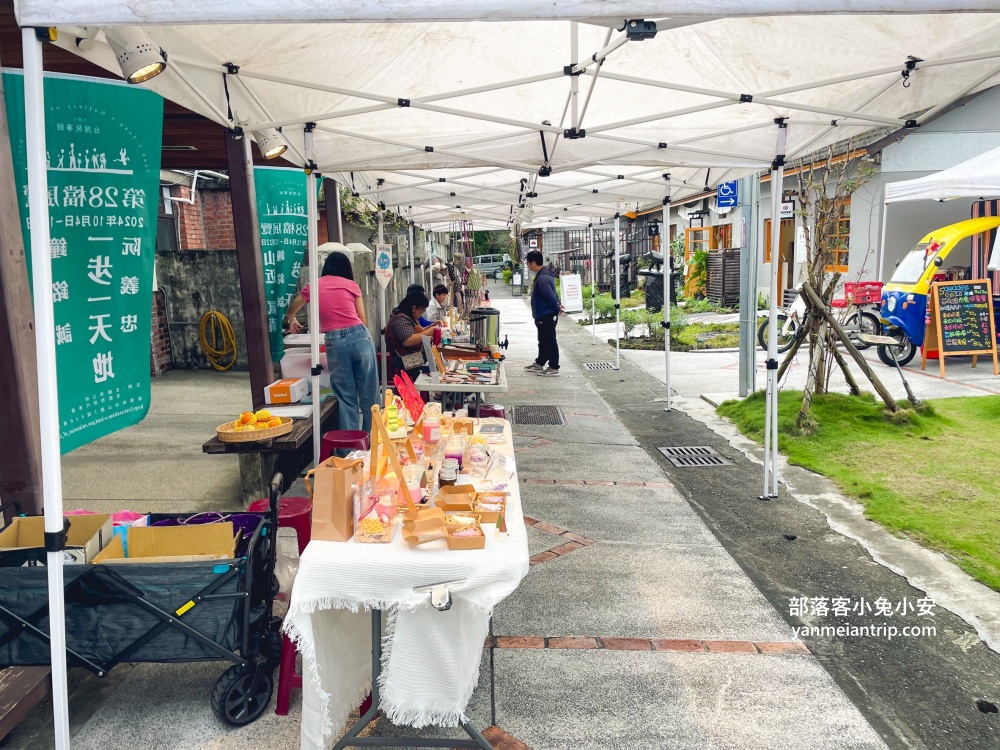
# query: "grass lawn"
{"points": [[933, 477], [727, 338]]}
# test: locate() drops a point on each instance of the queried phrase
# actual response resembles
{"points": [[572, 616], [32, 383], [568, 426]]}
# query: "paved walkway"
{"points": [[634, 629]]}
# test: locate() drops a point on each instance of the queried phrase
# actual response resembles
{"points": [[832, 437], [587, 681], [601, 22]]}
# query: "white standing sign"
{"points": [[787, 210], [383, 264], [571, 292]]}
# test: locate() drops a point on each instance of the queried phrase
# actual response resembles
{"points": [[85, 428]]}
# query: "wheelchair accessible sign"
{"points": [[383, 264]]}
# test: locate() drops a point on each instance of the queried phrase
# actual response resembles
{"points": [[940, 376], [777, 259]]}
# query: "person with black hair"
{"points": [[404, 334], [419, 288], [350, 352], [437, 309], [545, 309]]}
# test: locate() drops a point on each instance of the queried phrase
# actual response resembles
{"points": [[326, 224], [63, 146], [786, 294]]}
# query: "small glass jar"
{"points": [[454, 449], [413, 474], [448, 474]]}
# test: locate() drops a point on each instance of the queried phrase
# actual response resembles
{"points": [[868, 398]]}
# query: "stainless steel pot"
{"points": [[484, 326]]}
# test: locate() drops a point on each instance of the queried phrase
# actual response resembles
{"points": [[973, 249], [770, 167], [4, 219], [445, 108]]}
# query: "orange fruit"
{"points": [[274, 422], [247, 417]]}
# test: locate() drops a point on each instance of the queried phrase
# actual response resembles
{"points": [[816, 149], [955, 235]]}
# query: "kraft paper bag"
{"points": [[332, 488]]}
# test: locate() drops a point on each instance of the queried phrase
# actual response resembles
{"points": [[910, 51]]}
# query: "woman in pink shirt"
{"points": [[350, 353]]}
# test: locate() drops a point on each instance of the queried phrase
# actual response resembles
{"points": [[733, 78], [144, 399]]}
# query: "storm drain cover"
{"points": [[687, 456], [598, 366], [525, 414]]}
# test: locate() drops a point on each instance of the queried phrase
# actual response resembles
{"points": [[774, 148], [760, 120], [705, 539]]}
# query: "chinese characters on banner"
{"points": [[103, 144], [284, 235]]}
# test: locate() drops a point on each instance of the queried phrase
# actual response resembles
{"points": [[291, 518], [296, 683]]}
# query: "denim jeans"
{"points": [[350, 356]]}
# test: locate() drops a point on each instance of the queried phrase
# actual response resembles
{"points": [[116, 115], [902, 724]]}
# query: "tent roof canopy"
{"points": [[978, 177], [549, 122]]}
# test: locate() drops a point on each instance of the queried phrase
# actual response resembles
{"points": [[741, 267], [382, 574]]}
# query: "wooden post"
{"points": [[819, 306], [334, 219], [20, 460], [251, 266]]}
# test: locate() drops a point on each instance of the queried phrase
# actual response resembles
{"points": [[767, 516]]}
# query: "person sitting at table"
{"points": [[350, 352], [438, 308], [403, 334]]}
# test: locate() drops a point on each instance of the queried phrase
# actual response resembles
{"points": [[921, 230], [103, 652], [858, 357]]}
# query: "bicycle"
{"points": [[854, 319]]}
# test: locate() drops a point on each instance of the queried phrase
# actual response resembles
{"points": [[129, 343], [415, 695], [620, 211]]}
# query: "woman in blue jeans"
{"points": [[350, 353]]}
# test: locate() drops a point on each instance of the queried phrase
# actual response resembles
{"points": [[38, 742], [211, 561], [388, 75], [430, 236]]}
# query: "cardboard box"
{"points": [[458, 497], [286, 391], [22, 543], [171, 544], [466, 542]]}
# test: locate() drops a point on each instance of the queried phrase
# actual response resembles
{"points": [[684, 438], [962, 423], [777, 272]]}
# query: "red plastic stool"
{"points": [[492, 410], [349, 439], [289, 679], [293, 512]]}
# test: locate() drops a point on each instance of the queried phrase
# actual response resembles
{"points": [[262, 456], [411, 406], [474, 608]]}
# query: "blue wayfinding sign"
{"points": [[727, 195]]}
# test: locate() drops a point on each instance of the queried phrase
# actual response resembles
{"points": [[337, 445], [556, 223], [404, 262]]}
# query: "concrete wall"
{"points": [[962, 134]]}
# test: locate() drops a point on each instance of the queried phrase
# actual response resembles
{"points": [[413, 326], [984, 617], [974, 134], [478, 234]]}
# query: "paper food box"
{"points": [[465, 532], [458, 497], [286, 391], [171, 544], [22, 543]]}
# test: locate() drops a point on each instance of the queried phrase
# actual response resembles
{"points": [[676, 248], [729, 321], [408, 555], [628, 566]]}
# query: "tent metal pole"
{"points": [[881, 242], [491, 87], [323, 116], [595, 129], [956, 95], [312, 216], [593, 284], [574, 81], [48, 390], [771, 401], [421, 181], [413, 273], [447, 152], [731, 98], [667, 289], [618, 291], [179, 74], [383, 314], [267, 113], [671, 149]]}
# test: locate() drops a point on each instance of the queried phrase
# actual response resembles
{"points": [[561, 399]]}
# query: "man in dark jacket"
{"points": [[545, 309]]}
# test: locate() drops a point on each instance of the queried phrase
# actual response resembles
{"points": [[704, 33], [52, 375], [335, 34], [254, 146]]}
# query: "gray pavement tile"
{"points": [[549, 459], [643, 591], [581, 429], [133, 480], [618, 514], [166, 707], [542, 541], [548, 700]]}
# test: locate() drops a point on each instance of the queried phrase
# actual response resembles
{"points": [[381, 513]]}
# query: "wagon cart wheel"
{"points": [[231, 698]]}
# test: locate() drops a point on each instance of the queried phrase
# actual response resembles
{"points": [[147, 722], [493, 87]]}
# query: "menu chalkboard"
{"points": [[962, 318], [966, 311]]}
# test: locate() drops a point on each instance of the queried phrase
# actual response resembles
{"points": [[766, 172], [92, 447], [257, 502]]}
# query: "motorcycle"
{"points": [[905, 296]]}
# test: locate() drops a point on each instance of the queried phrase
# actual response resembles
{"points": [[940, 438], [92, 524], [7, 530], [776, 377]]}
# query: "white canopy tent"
{"points": [[560, 121], [974, 178], [978, 177]]}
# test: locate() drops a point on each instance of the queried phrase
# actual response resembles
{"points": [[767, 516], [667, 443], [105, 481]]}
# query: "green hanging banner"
{"points": [[284, 235], [103, 142]]}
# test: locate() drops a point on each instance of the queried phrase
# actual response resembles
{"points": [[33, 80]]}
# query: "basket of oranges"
{"points": [[253, 426]]}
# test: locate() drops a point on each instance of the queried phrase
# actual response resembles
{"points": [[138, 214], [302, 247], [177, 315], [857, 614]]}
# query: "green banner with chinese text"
{"points": [[284, 235], [103, 142]]}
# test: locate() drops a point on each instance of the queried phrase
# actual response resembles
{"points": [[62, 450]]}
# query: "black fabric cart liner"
{"points": [[105, 617]]}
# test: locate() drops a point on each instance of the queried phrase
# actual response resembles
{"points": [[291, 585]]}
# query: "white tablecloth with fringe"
{"points": [[430, 660]]}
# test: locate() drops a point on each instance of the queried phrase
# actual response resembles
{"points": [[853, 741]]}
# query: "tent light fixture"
{"points": [[271, 142], [139, 57], [545, 171]]}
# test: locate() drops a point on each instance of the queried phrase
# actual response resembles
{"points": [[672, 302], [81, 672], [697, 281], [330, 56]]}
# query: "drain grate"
{"points": [[688, 456], [525, 414], [598, 366]]}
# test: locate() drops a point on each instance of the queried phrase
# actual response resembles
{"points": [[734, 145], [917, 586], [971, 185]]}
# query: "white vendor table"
{"points": [[432, 383], [428, 664]]}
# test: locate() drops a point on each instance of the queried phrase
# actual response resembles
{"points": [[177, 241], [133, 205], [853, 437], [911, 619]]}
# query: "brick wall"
{"points": [[208, 224], [161, 358], [217, 213]]}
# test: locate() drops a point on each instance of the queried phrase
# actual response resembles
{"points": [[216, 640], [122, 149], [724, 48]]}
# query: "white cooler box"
{"points": [[297, 363]]}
